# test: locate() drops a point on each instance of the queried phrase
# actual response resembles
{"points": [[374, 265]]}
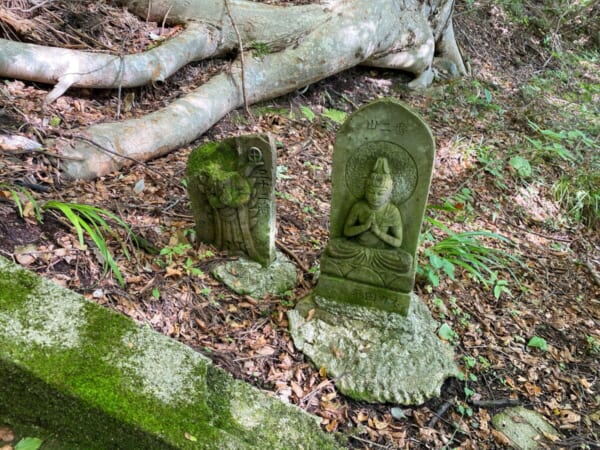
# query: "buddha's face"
{"points": [[378, 194]]}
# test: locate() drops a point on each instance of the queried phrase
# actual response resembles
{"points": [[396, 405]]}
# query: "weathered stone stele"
{"points": [[231, 188], [382, 165], [363, 323]]}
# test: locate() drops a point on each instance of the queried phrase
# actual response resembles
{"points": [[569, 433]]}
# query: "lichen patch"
{"points": [[162, 369], [45, 320]]}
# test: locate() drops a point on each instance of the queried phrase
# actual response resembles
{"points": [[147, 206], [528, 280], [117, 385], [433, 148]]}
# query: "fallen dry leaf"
{"points": [[568, 416], [6, 434], [501, 438]]}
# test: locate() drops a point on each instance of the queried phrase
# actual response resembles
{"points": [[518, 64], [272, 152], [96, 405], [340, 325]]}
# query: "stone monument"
{"points": [[363, 323], [231, 185]]}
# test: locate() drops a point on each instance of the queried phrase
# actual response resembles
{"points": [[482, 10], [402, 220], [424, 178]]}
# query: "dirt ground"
{"points": [[547, 287]]}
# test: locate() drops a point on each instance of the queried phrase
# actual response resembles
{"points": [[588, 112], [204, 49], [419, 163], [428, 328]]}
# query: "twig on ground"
{"points": [[370, 443], [526, 230], [292, 255], [588, 265], [316, 390], [241, 50], [33, 8], [496, 403], [439, 413], [43, 152]]}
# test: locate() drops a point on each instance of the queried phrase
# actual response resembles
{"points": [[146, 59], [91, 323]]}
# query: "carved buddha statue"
{"points": [[370, 250]]}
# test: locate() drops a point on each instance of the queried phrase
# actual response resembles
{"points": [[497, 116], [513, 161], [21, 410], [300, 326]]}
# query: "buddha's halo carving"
{"points": [[403, 169]]}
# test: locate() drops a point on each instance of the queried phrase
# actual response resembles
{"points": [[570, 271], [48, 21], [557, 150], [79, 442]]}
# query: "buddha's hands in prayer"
{"points": [[374, 227]]}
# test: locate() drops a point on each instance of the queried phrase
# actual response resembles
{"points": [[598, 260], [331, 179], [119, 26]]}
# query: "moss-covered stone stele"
{"points": [[231, 188], [382, 165]]}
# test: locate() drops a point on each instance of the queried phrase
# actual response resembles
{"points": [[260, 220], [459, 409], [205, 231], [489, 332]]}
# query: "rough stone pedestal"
{"points": [[374, 355], [247, 277]]}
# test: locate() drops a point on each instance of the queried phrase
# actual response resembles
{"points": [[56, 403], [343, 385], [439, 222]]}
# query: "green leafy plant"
{"points": [[176, 250], [29, 443], [550, 144], [593, 344], [14, 194], [488, 157], [86, 219], [260, 49], [446, 332], [308, 113], [94, 222], [335, 115], [538, 342], [521, 166], [579, 193], [466, 251], [282, 173], [191, 270]]}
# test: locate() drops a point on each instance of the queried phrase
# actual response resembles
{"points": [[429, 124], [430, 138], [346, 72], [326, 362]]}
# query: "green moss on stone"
{"points": [[214, 158], [116, 385], [15, 286]]}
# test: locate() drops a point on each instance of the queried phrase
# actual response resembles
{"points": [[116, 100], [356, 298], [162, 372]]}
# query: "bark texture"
{"points": [[306, 44]]}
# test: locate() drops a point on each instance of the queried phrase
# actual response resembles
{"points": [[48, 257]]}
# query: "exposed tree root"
{"points": [[306, 44]]}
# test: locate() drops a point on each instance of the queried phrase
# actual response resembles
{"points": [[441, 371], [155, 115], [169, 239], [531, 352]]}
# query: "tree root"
{"points": [[305, 44]]}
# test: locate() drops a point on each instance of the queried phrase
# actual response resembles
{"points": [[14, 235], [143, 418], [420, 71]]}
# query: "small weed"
{"points": [[464, 250], [593, 344], [93, 221], [483, 99], [309, 210], [488, 158], [286, 196], [521, 166], [308, 113], [312, 166], [335, 115], [177, 250], [579, 193], [259, 49], [447, 333], [14, 192], [191, 270], [282, 173], [204, 254], [538, 342], [87, 219], [438, 303], [287, 299]]}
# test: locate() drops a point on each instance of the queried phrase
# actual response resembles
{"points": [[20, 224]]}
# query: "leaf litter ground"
{"points": [[477, 122]]}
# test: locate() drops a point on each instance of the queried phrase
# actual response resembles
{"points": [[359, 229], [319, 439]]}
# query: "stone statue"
{"points": [[363, 323], [231, 187], [373, 232], [382, 165]]}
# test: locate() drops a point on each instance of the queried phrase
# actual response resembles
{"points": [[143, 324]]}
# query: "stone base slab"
{"points": [[374, 355], [349, 292], [247, 277]]}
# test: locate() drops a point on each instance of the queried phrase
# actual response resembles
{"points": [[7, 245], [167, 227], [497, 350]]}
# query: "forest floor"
{"points": [[517, 157]]}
